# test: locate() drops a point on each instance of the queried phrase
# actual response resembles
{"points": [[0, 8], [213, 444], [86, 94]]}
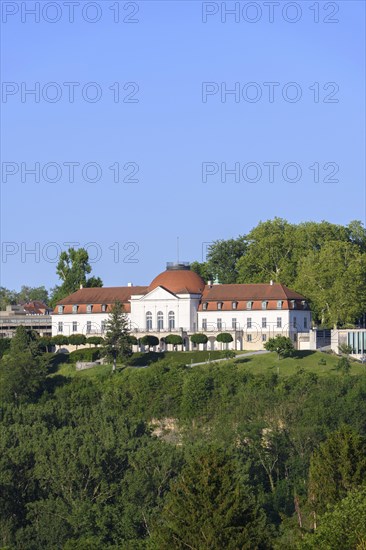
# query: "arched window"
{"points": [[148, 320], [160, 320], [171, 319]]}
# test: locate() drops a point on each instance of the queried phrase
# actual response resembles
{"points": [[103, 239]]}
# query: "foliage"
{"points": [[344, 365], [86, 354], [149, 340], [282, 345], [343, 528], [73, 268], [117, 342], [199, 338], [210, 506], [25, 340], [22, 376], [77, 339], [60, 340], [95, 340], [26, 294], [337, 467], [4, 346], [174, 339], [224, 337]]}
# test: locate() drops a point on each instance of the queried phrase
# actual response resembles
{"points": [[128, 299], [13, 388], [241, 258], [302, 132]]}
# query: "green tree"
{"points": [[282, 345], [203, 271], [22, 376], [199, 338], [28, 294], [73, 268], [77, 340], [222, 259], [211, 507], [25, 340], [149, 340], [60, 340], [334, 279], [117, 342], [337, 467], [96, 340], [224, 338], [343, 528], [174, 339]]}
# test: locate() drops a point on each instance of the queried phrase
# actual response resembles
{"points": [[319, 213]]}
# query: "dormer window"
{"points": [[104, 308], [60, 309], [292, 304], [89, 308], [279, 304], [75, 308], [304, 304], [264, 304], [204, 306], [235, 305], [249, 305], [219, 305]]}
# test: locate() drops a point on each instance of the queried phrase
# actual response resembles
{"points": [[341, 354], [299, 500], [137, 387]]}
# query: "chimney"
{"points": [[81, 286], [209, 283], [271, 282], [129, 284]]}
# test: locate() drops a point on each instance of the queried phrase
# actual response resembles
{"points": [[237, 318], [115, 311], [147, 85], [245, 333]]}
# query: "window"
{"points": [[75, 309], [264, 322], [264, 304], [249, 305], [148, 320], [249, 337], [160, 320], [233, 323], [88, 327], [60, 327], [89, 308], [219, 305], [204, 324], [279, 322], [103, 326], [219, 324], [292, 304], [74, 326], [171, 320], [295, 322], [279, 304], [304, 304], [264, 337], [204, 306], [104, 308], [249, 322], [305, 322], [235, 305], [60, 309]]}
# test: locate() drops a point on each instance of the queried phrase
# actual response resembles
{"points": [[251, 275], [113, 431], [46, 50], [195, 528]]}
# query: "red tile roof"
{"points": [[107, 295], [250, 292]]}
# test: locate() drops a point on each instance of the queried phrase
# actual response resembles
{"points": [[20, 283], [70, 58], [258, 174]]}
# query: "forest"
{"points": [[220, 456]]}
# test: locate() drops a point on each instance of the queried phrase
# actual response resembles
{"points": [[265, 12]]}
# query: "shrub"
{"points": [[224, 337], [87, 354], [77, 339], [60, 340], [174, 339], [4, 345], [149, 340], [95, 340]]}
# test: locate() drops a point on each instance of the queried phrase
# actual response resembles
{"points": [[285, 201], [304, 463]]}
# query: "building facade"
{"points": [[34, 315], [179, 301]]}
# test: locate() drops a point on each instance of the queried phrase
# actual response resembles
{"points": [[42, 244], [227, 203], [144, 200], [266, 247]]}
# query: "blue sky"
{"points": [[170, 132]]}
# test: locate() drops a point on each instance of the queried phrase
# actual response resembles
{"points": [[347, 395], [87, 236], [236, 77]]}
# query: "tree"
{"points": [[117, 342], [203, 271], [28, 294], [25, 340], [344, 527], [210, 507], [199, 338], [73, 268], [60, 340], [96, 340], [225, 338], [22, 376], [45, 343], [334, 279], [150, 341], [77, 340], [222, 259], [337, 467], [174, 339], [282, 345]]}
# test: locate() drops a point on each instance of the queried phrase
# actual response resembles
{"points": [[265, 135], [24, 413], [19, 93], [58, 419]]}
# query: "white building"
{"points": [[178, 301]]}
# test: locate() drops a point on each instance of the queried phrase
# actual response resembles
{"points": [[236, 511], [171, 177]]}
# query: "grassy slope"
{"points": [[308, 360]]}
